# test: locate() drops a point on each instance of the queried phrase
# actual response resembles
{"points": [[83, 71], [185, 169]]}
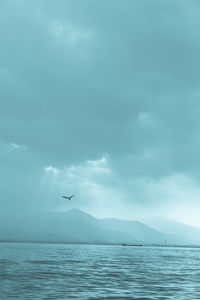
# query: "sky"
{"points": [[100, 99]]}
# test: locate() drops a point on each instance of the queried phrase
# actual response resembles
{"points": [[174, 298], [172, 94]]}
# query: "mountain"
{"points": [[138, 230], [77, 226], [71, 226], [178, 232]]}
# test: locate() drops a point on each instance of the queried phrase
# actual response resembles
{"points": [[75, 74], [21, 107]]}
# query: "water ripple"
{"points": [[45, 271]]}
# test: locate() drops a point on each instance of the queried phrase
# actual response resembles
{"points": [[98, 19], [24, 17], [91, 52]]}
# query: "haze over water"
{"points": [[55, 271]]}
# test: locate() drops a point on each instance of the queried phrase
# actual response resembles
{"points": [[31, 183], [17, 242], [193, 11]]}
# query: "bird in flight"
{"points": [[68, 197]]}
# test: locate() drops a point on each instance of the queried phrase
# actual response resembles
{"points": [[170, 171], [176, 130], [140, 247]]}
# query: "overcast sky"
{"points": [[100, 98]]}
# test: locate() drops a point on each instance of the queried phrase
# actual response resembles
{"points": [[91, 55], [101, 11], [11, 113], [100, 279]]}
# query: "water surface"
{"points": [[55, 271]]}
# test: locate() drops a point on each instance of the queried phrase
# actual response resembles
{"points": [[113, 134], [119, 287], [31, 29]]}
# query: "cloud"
{"points": [[51, 169], [86, 80], [103, 193], [13, 146], [69, 33]]}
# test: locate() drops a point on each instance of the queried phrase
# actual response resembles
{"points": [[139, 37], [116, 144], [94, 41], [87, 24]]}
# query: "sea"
{"points": [[60, 271]]}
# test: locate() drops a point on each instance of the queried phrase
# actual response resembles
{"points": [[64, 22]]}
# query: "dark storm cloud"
{"points": [[84, 79]]}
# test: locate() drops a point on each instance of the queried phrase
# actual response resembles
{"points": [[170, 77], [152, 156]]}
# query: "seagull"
{"points": [[68, 197]]}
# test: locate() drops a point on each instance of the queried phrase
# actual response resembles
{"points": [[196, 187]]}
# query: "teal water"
{"points": [[52, 271]]}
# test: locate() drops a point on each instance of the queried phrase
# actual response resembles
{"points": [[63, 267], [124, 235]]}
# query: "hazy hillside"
{"points": [[140, 231], [77, 226], [70, 226], [178, 232]]}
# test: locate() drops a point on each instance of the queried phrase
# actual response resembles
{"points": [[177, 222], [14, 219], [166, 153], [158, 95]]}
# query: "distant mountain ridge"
{"points": [[76, 226], [180, 232]]}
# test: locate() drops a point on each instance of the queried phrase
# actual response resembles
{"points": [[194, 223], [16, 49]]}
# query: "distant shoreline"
{"points": [[101, 244]]}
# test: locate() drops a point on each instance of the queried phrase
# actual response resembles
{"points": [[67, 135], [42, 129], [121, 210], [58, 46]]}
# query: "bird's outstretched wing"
{"points": [[68, 197]]}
